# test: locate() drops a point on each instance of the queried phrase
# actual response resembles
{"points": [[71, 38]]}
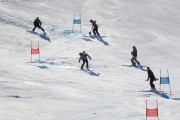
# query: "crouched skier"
{"points": [[83, 57], [94, 28], [37, 23], [151, 77]]}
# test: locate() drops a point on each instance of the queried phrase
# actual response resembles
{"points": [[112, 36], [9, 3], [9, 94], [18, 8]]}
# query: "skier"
{"points": [[37, 23], [94, 27], [134, 57], [151, 77], [83, 57]]}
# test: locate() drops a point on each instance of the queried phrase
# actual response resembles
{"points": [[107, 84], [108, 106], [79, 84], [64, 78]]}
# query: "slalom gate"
{"points": [[35, 51], [165, 80], [152, 109], [76, 21]]}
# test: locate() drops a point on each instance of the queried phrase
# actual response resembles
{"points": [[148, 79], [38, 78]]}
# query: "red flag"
{"points": [[35, 51], [152, 112]]}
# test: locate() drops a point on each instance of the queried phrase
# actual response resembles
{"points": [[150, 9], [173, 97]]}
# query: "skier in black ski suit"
{"points": [[134, 58], [83, 57], [37, 23], [151, 77], [95, 28]]}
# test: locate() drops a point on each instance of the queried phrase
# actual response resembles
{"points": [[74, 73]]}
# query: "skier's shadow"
{"points": [[137, 67], [43, 67], [87, 39], [175, 98], [94, 73], [40, 64], [45, 37], [91, 72], [140, 67], [160, 93], [41, 35], [102, 40]]}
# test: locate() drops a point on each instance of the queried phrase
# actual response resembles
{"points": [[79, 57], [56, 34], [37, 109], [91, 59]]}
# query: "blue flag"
{"points": [[77, 21], [164, 80]]}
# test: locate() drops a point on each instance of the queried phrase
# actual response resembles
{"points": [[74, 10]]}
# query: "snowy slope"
{"points": [[56, 89]]}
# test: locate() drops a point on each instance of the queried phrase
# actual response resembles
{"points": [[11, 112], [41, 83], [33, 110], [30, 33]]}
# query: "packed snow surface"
{"points": [[55, 88]]}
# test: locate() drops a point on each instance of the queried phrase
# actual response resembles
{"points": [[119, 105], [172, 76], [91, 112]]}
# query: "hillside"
{"points": [[56, 89]]}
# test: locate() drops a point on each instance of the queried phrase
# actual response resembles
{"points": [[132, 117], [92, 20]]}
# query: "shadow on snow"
{"points": [[41, 35], [45, 37], [140, 67], [160, 93], [102, 40], [87, 39], [91, 72], [137, 67], [94, 74], [41, 64]]}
